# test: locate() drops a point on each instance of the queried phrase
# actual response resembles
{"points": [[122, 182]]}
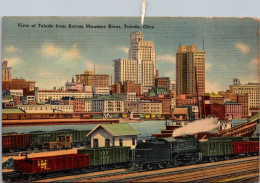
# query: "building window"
{"points": [[107, 142], [133, 141], [95, 142], [120, 142]]}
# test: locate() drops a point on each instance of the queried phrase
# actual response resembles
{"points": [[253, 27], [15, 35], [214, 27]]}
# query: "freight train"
{"points": [[155, 153], [35, 140]]}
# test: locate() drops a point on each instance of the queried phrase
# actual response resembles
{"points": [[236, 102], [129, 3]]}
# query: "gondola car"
{"points": [[30, 168], [218, 148], [107, 157]]}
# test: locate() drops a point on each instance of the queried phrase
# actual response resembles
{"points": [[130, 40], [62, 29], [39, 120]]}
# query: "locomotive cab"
{"points": [[150, 153]]}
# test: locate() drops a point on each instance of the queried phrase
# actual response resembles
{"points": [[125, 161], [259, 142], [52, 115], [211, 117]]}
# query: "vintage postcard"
{"points": [[102, 98]]}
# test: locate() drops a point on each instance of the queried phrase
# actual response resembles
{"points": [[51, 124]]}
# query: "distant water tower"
{"points": [[236, 81]]}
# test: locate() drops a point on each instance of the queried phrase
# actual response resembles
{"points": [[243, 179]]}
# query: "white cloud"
{"points": [[244, 48], [124, 49], [11, 49], [13, 61], [168, 74], [167, 57], [51, 50], [212, 87], [72, 53]]}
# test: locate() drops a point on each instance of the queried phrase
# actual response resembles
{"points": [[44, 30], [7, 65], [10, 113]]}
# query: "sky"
{"points": [[51, 56]]}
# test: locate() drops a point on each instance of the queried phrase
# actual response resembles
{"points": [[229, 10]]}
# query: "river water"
{"points": [[146, 128]]}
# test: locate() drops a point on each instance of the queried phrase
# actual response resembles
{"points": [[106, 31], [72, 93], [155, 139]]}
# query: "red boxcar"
{"points": [[51, 163], [15, 141], [245, 147]]}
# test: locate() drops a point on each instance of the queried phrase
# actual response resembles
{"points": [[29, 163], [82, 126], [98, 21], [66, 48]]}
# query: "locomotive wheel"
{"points": [[131, 166], [149, 166], [117, 165], [176, 162], [212, 159], [161, 165]]}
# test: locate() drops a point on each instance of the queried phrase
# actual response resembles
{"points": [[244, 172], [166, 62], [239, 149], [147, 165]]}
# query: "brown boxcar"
{"points": [[51, 163], [15, 141], [245, 147]]}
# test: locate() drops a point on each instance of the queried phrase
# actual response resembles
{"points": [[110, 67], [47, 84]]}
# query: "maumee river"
{"points": [[146, 128]]}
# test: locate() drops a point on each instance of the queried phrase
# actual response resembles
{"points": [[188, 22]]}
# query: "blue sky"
{"points": [[50, 56]]}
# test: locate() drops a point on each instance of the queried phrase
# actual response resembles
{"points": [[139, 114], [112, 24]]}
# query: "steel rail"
{"points": [[167, 173]]}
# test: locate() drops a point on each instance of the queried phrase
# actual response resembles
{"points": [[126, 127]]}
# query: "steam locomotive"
{"points": [[154, 153]]}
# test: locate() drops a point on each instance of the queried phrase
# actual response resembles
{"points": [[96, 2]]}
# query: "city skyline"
{"points": [[51, 56]]}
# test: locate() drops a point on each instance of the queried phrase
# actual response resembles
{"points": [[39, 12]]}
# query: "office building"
{"points": [[190, 68]]}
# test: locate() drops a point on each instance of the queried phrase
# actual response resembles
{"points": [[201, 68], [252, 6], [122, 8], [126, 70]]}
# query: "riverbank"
{"points": [[40, 122]]}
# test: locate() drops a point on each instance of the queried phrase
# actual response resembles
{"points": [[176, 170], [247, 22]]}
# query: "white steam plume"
{"points": [[203, 125], [143, 11]]}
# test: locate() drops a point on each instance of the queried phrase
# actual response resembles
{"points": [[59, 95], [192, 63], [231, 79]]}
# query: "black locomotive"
{"points": [[162, 152]]}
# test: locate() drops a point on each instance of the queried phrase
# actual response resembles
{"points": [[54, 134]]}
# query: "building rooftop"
{"points": [[230, 102], [65, 91], [117, 129], [107, 97], [8, 111]]}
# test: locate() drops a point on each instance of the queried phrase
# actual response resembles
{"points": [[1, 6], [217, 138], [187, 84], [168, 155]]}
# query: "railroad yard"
{"points": [[246, 169]]}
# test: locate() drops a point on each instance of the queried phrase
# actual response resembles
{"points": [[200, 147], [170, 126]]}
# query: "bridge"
{"points": [[246, 129]]}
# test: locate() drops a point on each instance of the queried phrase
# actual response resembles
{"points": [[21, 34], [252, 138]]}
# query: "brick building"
{"points": [[90, 78], [127, 87], [79, 104], [243, 100], [233, 110], [162, 82], [17, 84]]}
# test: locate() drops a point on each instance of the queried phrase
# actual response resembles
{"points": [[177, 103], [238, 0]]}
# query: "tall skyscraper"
{"points": [[6, 72], [125, 70], [190, 68], [143, 52]]}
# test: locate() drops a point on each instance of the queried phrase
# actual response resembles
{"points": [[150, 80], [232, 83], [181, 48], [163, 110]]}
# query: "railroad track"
{"points": [[178, 175], [128, 176], [210, 176]]}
